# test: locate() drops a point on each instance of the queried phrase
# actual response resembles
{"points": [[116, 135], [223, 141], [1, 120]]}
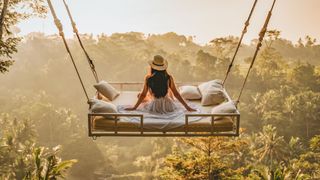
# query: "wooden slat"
{"points": [[163, 135], [141, 125], [186, 124]]}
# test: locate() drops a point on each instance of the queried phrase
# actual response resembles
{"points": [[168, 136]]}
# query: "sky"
{"points": [[204, 19]]}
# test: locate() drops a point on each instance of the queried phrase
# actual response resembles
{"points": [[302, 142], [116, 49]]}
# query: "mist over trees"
{"points": [[42, 105]]}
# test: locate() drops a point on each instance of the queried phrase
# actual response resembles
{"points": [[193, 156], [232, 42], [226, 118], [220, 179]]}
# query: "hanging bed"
{"points": [[121, 124]]}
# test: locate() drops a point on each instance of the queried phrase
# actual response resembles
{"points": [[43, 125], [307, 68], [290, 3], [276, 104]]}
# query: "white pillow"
{"points": [[99, 106], [212, 96], [190, 92], [214, 83], [212, 93], [107, 90], [228, 107]]}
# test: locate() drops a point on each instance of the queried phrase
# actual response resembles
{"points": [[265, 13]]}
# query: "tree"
{"points": [[21, 158], [306, 165], [47, 165], [270, 148], [310, 41], [204, 62], [272, 36], [304, 111], [12, 12], [150, 164], [203, 158], [17, 142], [54, 126], [304, 76], [269, 70], [225, 46]]}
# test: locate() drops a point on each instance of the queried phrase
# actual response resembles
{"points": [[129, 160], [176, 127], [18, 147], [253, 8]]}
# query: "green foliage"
{"points": [[304, 76], [304, 112], [315, 143], [203, 158], [48, 165], [21, 158], [13, 12], [54, 126], [7, 48], [264, 155], [279, 106], [151, 164], [17, 142], [225, 46], [270, 148]]}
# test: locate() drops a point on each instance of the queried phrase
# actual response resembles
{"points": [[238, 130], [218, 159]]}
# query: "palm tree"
{"points": [[270, 148]]}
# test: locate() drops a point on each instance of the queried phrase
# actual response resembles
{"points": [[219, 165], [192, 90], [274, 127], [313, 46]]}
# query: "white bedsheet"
{"points": [[154, 120], [161, 121]]}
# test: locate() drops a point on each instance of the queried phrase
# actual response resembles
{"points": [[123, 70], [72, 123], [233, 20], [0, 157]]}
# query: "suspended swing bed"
{"points": [[209, 123]]}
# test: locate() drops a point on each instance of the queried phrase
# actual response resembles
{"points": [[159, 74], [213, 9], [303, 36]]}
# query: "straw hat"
{"points": [[158, 63]]}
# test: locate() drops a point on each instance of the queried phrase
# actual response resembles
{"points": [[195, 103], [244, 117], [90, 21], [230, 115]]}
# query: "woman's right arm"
{"points": [[176, 93]]}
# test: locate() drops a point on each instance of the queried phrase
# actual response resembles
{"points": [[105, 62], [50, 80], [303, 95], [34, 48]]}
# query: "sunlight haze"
{"points": [[205, 19]]}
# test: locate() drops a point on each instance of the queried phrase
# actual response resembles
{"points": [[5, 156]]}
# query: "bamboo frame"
{"points": [[149, 133]]}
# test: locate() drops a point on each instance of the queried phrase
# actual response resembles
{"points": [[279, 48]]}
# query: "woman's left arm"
{"points": [[142, 95]]}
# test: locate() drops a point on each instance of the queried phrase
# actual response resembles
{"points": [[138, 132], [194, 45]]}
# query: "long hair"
{"points": [[158, 83]]}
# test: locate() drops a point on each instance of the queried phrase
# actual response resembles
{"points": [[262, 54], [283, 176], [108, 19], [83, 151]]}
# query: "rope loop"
{"points": [[58, 24], [244, 31], [262, 33], [75, 30], [259, 44], [74, 27]]}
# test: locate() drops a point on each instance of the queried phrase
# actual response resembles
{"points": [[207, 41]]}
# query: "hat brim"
{"points": [[159, 68]]}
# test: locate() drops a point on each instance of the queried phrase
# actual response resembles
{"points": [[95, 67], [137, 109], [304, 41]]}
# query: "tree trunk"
{"points": [[307, 126], [271, 167], [209, 166], [2, 17], [209, 163], [272, 175]]}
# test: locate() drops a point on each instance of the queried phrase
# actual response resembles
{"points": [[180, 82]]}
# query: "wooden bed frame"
{"points": [[185, 131]]}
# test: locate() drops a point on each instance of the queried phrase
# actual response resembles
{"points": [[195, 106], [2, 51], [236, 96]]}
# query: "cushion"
{"points": [[212, 93], [107, 90], [190, 92], [228, 107], [99, 106], [214, 83]]}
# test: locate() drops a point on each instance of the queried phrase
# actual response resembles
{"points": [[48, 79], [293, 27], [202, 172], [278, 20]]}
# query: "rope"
{"points": [[244, 31], [75, 30], [60, 28], [261, 36]]}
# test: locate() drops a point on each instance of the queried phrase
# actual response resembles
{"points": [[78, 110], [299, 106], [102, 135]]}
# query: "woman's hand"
{"points": [[130, 109], [190, 109], [99, 96]]}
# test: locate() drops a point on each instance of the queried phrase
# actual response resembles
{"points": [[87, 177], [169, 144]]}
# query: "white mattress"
{"points": [[163, 123], [130, 98]]}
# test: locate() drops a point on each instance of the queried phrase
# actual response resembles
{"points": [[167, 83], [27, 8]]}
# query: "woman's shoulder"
{"points": [[147, 77]]}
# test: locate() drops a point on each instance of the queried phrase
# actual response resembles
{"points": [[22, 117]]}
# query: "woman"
{"points": [[159, 84]]}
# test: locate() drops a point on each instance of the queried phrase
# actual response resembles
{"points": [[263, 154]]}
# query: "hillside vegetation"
{"points": [[42, 105]]}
